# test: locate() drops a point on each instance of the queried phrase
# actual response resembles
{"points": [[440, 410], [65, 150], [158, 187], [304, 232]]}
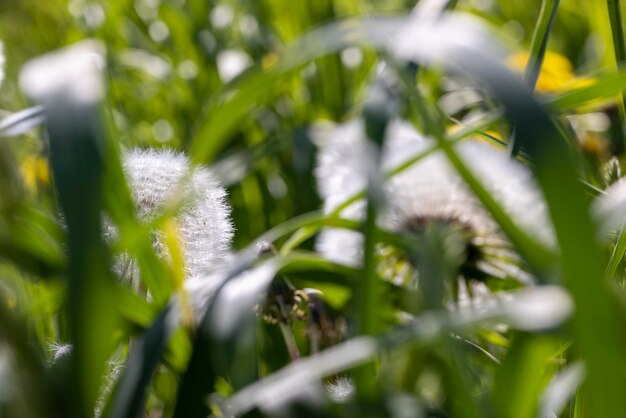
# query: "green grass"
{"points": [[545, 334]]}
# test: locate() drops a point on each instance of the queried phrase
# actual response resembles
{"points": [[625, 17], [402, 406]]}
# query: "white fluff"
{"points": [[341, 390], [610, 209], [430, 188], [154, 177]]}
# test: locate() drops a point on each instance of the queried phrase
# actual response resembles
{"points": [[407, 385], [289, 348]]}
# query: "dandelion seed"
{"points": [[154, 176], [60, 351], [341, 390]]}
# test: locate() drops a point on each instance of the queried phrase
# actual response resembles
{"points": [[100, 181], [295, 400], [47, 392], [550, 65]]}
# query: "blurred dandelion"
{"points": [[203, 221], [428, 192]]}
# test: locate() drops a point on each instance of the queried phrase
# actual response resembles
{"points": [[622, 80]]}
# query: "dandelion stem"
{"points": [[365, 375], [619, 47], [367, 308]]}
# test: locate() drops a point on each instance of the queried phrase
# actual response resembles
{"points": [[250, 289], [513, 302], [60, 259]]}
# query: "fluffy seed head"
{"points": [[429, 190], [155, 177]]}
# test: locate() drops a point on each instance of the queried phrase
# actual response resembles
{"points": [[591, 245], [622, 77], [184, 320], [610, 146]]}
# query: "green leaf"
{"points": [[523, 375], [605, 87]]}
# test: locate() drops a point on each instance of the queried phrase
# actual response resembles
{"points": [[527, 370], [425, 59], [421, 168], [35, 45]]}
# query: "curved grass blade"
{"points": [[21, 122], [538, 46], [219, 337], [539, 41], [604, 88]]}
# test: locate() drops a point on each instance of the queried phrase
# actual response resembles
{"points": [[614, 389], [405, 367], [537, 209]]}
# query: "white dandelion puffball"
{"points": [[203, 220], [430, 189]]}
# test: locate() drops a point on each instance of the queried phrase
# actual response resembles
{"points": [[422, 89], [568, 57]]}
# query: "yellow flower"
{"points": [[557, 72], [35, 171]]}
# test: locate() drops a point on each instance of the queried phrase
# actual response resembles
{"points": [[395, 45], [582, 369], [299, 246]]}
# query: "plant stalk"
{"points": [[539, 42], [538, 46], [619, 47]]}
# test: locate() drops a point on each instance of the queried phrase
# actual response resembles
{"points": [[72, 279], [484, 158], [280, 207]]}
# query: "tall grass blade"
{"points": [[69, 86]]}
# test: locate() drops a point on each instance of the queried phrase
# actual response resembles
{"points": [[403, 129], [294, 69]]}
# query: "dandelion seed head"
{"points": [[154, 178], [429, 190], [341, 246], [342, 166]]}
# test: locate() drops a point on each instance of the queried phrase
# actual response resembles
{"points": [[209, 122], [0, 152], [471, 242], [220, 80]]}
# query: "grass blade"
{"points": [[76, 133], [619, 49], [145, 352], [21, 122]]}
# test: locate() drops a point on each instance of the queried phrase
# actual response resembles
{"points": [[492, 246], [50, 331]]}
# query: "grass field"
{"points": [[312, 208]]}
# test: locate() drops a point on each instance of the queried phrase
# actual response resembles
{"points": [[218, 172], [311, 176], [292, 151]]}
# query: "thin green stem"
{"points": [[619, 47], [617, 31], [290, 342], [535, 252], [618, 253], [538, 46], [367, 307], [539, 41]]}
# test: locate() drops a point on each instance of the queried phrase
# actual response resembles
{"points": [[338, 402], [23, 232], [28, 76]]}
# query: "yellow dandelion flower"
{"points": [[557, 72], [35, 171]]}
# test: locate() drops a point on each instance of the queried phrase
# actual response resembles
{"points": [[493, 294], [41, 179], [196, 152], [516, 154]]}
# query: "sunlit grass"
{"points": [[317, 208]]}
